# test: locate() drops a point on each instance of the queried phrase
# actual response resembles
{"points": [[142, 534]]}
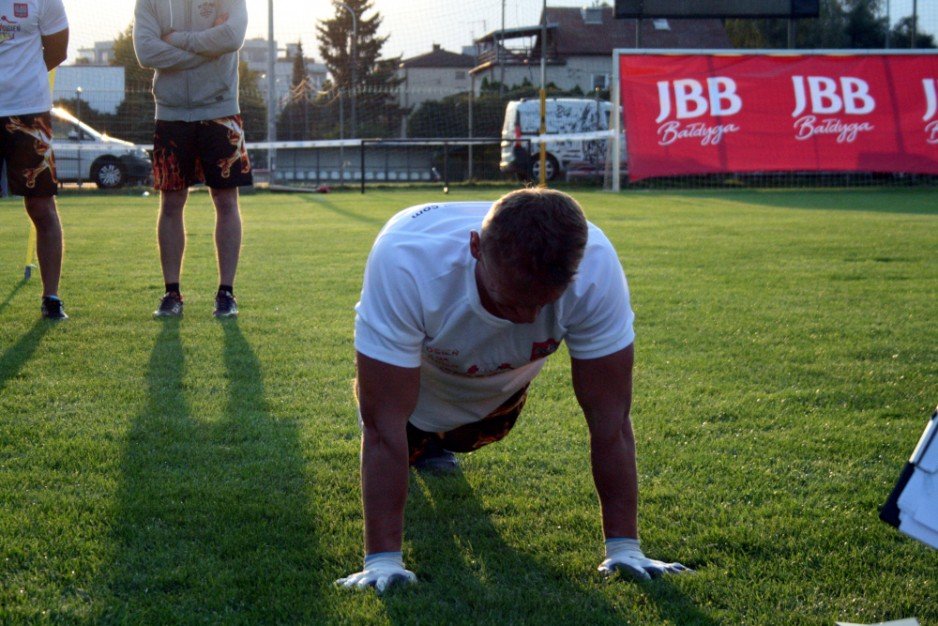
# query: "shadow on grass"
{"points": [[16, 356], [12, 295], [331, 206], [471, 576], [211, 523]]}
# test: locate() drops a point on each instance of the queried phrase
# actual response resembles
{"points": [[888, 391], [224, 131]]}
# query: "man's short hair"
{"points": [[540, 234]]}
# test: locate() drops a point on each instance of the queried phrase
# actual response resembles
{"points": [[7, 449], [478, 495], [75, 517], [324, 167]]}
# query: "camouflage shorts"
{"points": [[210, 152], [493, 427], [26, 149]]}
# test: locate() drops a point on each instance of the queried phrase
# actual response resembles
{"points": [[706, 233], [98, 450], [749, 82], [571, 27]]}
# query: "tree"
{"points": [[251, 101], [864, 29], [294, 120], [135, 114], [901, 35], [375, 83], [840, 24]]}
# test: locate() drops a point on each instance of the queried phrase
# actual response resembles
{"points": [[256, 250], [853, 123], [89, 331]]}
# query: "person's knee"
{"points": [[226, 201], [42, 212], [172, 203]]}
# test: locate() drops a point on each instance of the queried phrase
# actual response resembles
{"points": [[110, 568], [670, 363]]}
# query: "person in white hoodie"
{"points": [[199, 138], [33, 40]]}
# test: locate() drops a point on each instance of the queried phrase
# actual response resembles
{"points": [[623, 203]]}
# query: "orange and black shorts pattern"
{"points": [[26, 149], [493, 427], [210, 151]]}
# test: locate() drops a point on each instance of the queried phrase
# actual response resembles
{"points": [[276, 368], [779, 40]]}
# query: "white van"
{"points": [[563, 116]]}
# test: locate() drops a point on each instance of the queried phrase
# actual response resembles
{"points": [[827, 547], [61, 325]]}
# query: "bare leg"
{"points": [[43, 214], [171, 233], [227, 233]]}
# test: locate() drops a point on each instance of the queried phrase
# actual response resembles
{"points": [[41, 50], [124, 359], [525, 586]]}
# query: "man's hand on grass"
{"points": [[381, 571], [625, 556]]}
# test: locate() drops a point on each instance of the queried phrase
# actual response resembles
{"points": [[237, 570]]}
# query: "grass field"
{"points": [[205, 472]]}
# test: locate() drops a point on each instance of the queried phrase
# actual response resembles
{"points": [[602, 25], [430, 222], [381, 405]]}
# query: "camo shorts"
{"points": [[26, 150], [210, 152], [493, 427]]}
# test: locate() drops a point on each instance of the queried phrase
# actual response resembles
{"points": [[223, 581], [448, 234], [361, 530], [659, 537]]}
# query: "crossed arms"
{"points": [[182, 50]]}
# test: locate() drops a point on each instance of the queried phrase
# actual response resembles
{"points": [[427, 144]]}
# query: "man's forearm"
{"points": [[616, 477], [384, 489], [154, 53], [213, 42], [226, 36]]}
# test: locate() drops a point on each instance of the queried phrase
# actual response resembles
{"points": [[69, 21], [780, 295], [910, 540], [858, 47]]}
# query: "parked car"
{"points": [[82, 154], [563, 116]]}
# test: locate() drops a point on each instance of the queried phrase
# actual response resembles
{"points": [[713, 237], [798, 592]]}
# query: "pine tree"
{"points": [[359, 74], [295, 117]]}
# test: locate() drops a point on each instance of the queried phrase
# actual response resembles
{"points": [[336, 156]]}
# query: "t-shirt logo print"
{"points": [[542, 349], [206, 8], [20, 9], [8, 28]]}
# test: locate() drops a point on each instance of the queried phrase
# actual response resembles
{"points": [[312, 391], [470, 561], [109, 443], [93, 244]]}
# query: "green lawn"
{"points": [[206, 472]]}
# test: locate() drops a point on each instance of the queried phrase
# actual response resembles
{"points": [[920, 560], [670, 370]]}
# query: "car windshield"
{"points": [[64, 129]]}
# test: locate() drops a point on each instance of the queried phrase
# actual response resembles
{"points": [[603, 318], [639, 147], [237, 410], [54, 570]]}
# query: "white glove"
{"points": [[382, 569], [625, 555]]}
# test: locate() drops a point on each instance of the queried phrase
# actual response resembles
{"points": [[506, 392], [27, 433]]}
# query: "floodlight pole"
{"points": [[271, 90], [888, 25], [353, 61], [498, 51], [78, 92], [472, 90], [914, 28], [542, 157]]}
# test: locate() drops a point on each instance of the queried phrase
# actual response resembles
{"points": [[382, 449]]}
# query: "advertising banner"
{"points": [[711, 113]]}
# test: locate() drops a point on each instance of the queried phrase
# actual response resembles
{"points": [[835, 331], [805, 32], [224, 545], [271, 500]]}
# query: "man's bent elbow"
{"points": [[54, 62], [390, 440]]}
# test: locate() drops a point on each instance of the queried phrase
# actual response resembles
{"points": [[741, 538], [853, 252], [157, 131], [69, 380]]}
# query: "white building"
{"points": [[101, 53], [433, 76], [101, 86]]}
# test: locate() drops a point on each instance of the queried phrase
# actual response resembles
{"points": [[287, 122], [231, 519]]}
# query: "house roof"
{"points": [[596, 31], [574, 36], [439, 58]]}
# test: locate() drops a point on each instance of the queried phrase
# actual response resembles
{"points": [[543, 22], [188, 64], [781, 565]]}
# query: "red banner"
{"points": [[709, 113]]}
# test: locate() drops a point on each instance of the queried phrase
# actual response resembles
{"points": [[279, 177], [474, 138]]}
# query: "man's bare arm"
{"points": [[603, 388], [387, 395], [55, 48]]}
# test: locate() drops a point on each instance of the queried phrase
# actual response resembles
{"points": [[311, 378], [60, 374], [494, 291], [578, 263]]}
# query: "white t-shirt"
{"points": [[420, 307], [24, 83]]}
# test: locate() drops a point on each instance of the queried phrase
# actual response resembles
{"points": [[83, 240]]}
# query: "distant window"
{"points": [[661, 24], [600, 81], [460, 75], [592, 15]]}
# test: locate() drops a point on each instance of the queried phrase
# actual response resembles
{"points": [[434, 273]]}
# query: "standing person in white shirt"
{"points": [[33, 41], [461, 305]]}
